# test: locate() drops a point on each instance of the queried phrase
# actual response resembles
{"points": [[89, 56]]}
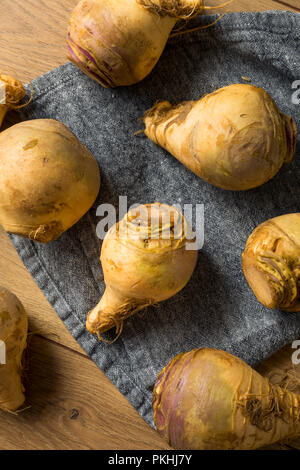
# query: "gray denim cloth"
{"points": [[217, 308]]}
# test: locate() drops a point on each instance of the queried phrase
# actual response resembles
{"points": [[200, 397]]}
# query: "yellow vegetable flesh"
{"points": [[13, 336], [48, 179], [145, 260], [235, 138], [271, 262], [210, 400]]}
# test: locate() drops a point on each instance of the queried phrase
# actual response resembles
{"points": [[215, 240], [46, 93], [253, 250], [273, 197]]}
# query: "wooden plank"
{"points": [[43, 319], [289, 4], [32, 41], [72, 405]]}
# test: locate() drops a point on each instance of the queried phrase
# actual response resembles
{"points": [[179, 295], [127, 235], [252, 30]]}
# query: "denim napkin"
{"points": [[216, 308]]}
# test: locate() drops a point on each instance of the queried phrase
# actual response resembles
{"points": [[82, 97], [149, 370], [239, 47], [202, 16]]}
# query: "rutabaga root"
{"points": [[13, 337], [146, 258], [100, 320], [118, 42], [234, 138], [210, 400], [271, 262]]}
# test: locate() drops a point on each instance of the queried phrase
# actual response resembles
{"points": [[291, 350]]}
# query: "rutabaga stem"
{"points": [[110, 312]]}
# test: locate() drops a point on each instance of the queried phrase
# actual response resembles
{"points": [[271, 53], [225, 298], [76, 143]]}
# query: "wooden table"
{"points": [[72, 405]]}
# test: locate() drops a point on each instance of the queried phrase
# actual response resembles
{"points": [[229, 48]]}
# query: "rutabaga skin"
{"points": [[13, 337], [48, 179], [13, 92], [271, 262], [210, 400], [118, 42], [235, 138], [145, 259]]}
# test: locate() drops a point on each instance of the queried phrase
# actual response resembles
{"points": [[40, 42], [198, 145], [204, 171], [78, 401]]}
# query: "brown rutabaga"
{"points": [[208, 399], [118, 42], [48, 179], [145, 259], [235, 138], [13, 339], [271, 262]]}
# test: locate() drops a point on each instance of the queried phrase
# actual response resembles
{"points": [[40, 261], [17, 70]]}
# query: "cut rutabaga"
{"points": [[271, 262], [235, 138], [118, 42], [48, 179], [145, 259], [210, 400], [13, 337]]}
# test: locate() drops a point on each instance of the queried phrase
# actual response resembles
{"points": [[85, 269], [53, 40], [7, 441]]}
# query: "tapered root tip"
{"points": [[93, 323]]}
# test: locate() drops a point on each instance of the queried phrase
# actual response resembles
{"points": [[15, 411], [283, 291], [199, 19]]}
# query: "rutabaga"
{"points": [[235, 138], [271, 262], [208, 399], [118, 42], [145, 259], [48, 179], [13, 338]]}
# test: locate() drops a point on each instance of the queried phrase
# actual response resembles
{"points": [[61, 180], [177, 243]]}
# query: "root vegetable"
{"points": [[118, 42], [235, 138], [13, 336], [271, 262], [11, 93], [209, 399], [145, 259], [48, 179]]}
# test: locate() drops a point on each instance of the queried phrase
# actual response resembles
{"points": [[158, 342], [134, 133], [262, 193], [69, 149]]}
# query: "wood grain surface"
{"points": [[70, 402]]}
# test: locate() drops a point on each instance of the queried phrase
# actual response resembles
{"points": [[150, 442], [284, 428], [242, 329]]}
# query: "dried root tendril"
{"points": [[262, 414], [24, 104], [127, 309], [197, 28], [174, 8], [42, 233], [286, 379], [14, 92], [180, 9]]}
